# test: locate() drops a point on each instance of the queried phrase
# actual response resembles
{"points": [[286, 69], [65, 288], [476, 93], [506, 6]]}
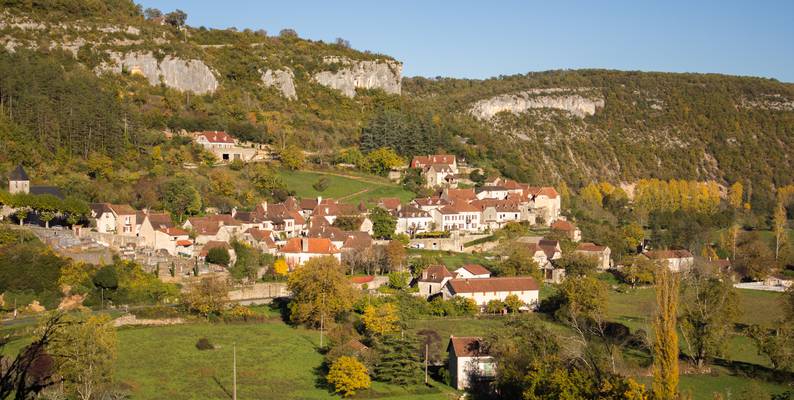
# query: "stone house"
{"points": [[299, 250], [469, 361], [486, 289], [412, 220], [459, 216], [675, 260], [120, 219], [568, 229], [602, 254], [433, 280], [473, 271], [224, 147]]}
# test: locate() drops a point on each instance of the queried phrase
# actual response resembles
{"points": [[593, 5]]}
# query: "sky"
{"points": [[480, 39]]}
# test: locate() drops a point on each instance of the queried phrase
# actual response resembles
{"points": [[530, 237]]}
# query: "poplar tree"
{"points": [[665, 349]]}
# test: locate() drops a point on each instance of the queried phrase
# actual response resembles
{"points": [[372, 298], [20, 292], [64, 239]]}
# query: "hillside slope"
{"points": [[621, 126], [89, 77]]}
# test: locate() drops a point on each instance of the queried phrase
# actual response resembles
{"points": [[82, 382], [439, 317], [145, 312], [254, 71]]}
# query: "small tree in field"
{"points": [[347, 375], [513, 303], [494, 306]]}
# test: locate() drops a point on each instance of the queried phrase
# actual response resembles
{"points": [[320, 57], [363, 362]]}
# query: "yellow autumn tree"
{"points": [[665, 348], [591, 194], [347, 375], [736, 195], [280, 267], [779, 228], [381, 320]]}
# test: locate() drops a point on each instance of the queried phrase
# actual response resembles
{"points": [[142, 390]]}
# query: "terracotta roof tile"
{"points": [[502, 284]]}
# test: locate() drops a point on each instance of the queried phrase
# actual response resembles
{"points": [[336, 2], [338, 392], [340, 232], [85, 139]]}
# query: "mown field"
{"points": [[349, 188], [274, 361]]}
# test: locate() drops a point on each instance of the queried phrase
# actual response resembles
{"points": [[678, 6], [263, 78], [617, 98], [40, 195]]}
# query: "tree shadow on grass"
{"points": [[755, 371], [220, 385], [281, 304]]}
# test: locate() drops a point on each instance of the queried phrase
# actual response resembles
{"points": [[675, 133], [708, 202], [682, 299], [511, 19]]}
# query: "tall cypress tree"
{"points": [[399, 361]]}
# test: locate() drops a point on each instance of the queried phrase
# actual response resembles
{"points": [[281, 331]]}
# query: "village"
{"points": [[457, 219]]}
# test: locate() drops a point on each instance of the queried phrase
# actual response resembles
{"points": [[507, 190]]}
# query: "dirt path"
{"points": [[353, 177], [353, 195]]}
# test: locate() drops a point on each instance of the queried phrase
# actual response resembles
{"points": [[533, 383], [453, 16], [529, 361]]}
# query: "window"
{"points": [[225, 156]]}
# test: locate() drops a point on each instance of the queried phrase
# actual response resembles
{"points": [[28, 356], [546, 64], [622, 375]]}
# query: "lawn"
{"points": [[274, 361], [453, 260], [349, 188]]}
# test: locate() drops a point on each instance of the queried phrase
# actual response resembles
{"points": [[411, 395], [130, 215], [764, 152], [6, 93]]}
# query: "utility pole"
{"points": [[234, 371], [426, 351], [322, 321]]}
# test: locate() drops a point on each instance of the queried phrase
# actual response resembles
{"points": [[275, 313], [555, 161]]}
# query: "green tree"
{"points": [[209, 296], [576, 264], [383, 223], [520, 261], [637, 270], [382, 160], [399, 280], [84, 352], [106, 278], [709, 305], [218, 255], [292, 157], [181, 198], [494, 306], [347, 375], [398, 361], [320, 291], [395, 254], [513, 303]]}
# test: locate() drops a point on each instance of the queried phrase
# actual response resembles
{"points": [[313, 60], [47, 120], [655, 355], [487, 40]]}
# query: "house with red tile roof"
{"points": [[149, 223], [433, 279], [568, 229], [438, 159], [412, 220], [469, 361], [221, 228], [473, 271], [390, 203], [458, 216], [675, 260], [120, 219], [299, 250], [224, 146], [262, 239], [175, 241], [486, 289], [602, 254]]}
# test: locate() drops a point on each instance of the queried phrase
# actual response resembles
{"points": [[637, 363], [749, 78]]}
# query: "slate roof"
{"points": [[51, 190], [18, 174]]}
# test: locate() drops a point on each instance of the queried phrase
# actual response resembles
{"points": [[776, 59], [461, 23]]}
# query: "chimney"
{"points": [[234, 211], [319, 199], [305, 245]]}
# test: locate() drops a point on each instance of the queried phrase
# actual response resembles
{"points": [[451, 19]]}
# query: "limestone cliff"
{"points": [[283, 80], [558, 99], [185, 75], [351, 75]]}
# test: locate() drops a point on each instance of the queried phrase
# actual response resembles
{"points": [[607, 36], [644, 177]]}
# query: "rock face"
{"points": [[185, 75], [283, 80], [352, 75], [556, 99]]}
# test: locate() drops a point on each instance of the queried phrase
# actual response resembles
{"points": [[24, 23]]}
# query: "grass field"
{"points": [[274, 361], [350, 188], [453, 260]]}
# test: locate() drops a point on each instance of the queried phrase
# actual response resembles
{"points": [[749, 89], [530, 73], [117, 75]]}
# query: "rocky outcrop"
{"points": [[283, 80], [558, 99], [185, 75], [352, 75]]}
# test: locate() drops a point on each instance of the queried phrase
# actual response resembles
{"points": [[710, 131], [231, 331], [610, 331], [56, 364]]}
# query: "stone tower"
{"points": [[18, 181]]}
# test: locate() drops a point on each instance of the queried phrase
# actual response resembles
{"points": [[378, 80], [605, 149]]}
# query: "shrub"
{"points": [[204, 344], [321, 184], [347, 375], [218, 255]]}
